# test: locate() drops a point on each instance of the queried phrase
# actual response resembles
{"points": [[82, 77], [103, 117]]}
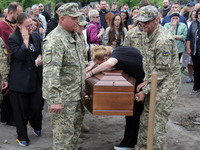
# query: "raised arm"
{"points": [[102, 67]]}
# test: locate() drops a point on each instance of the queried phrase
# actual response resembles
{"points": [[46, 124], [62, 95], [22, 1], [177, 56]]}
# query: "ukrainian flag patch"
{"points": [[4, 49], [143, 11], [48, 52], [165, 53], [3, 45]]}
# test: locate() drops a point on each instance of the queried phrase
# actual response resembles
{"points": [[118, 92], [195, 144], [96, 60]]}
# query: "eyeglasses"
{"points": [[96, 17], [147, 22], [40, 6], [29, 26], [123, 10]]}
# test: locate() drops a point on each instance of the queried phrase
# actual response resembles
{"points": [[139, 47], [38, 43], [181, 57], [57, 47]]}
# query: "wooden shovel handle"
{"points": [[152, 111]]}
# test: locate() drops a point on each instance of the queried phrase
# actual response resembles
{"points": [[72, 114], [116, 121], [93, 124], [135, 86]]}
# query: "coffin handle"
{"points": [[87, 97]]}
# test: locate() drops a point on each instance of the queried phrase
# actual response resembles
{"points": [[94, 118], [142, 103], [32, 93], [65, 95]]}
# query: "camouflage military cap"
{"points": [[82, 20], [147, 13], [69, 9]]}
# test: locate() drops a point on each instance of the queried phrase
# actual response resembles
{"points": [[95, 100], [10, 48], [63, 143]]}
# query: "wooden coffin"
{"points": [[110, 93]]}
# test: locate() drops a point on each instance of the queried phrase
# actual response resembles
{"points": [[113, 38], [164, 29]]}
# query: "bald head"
{"points": [[197, 6]]}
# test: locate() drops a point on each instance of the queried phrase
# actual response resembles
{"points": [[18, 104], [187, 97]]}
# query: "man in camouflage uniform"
{"points": [[159, 54], [135, 38], [4, 68], [79, 30], [64, 78]]}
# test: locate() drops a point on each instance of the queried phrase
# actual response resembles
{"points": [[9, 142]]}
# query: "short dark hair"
{"points": [[176, 3], [114, 3], [143, 3], [13, 6]]}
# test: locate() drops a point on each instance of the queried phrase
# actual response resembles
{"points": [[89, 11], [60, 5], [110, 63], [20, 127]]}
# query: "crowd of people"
{"points": [[48, 59]]}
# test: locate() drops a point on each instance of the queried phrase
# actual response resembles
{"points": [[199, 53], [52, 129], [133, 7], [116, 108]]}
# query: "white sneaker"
{"points": [[118, 147]]}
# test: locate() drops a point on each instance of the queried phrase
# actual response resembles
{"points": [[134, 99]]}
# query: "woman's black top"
{"points": [[130, 61]]}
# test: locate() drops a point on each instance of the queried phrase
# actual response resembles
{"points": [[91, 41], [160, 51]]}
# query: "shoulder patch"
{"points": [[48, 52], [48, 56], [3, 46], [165, 53]]}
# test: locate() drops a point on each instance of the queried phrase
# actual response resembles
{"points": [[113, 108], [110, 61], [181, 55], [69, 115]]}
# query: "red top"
{"points": [[6, 29]]}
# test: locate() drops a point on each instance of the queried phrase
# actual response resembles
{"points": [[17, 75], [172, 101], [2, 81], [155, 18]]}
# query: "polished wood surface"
{"points": [[110, 93]]}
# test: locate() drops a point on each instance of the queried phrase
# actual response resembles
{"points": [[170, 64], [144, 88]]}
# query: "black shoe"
{"points": [[11, 123], [195, 90], [37, 132]]}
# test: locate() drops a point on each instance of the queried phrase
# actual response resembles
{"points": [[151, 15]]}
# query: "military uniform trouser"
{"points": [[164, 105], [67, 125]]}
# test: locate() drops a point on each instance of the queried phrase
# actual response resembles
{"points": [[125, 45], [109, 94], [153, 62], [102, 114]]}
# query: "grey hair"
{"points": [[29, 11], [34, 6], [92, 13]]}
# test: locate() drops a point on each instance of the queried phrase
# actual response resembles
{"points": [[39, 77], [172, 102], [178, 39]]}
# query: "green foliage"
{"points": [[25, 3], [133, 3], [157, 3], [29, 3], [4, 4]]}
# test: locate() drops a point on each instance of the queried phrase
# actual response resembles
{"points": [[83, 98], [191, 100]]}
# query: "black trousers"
{"points": [[6, 110], [27, 107], [196, 67], [132, 126]]}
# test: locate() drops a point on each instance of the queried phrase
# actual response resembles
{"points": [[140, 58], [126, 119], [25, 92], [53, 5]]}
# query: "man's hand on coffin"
{"points": [[83, 93], [140, 96], [141, 85], [4, 85], [56, 108], [90, 67], [87, 75]]}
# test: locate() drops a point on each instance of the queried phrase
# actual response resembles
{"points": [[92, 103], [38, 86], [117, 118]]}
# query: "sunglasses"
{"points": [[147, 22], [123, 10], [96, 17], [40, 6]]}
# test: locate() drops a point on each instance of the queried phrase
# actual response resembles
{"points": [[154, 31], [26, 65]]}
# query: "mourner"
{"points": [[83, 35], [25, 80], [193, 49], [160, 54], [64, 78], [7, 26], [129, 60]]}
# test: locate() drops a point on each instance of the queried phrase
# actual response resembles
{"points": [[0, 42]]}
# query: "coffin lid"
{"points": [[114, 80]]}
